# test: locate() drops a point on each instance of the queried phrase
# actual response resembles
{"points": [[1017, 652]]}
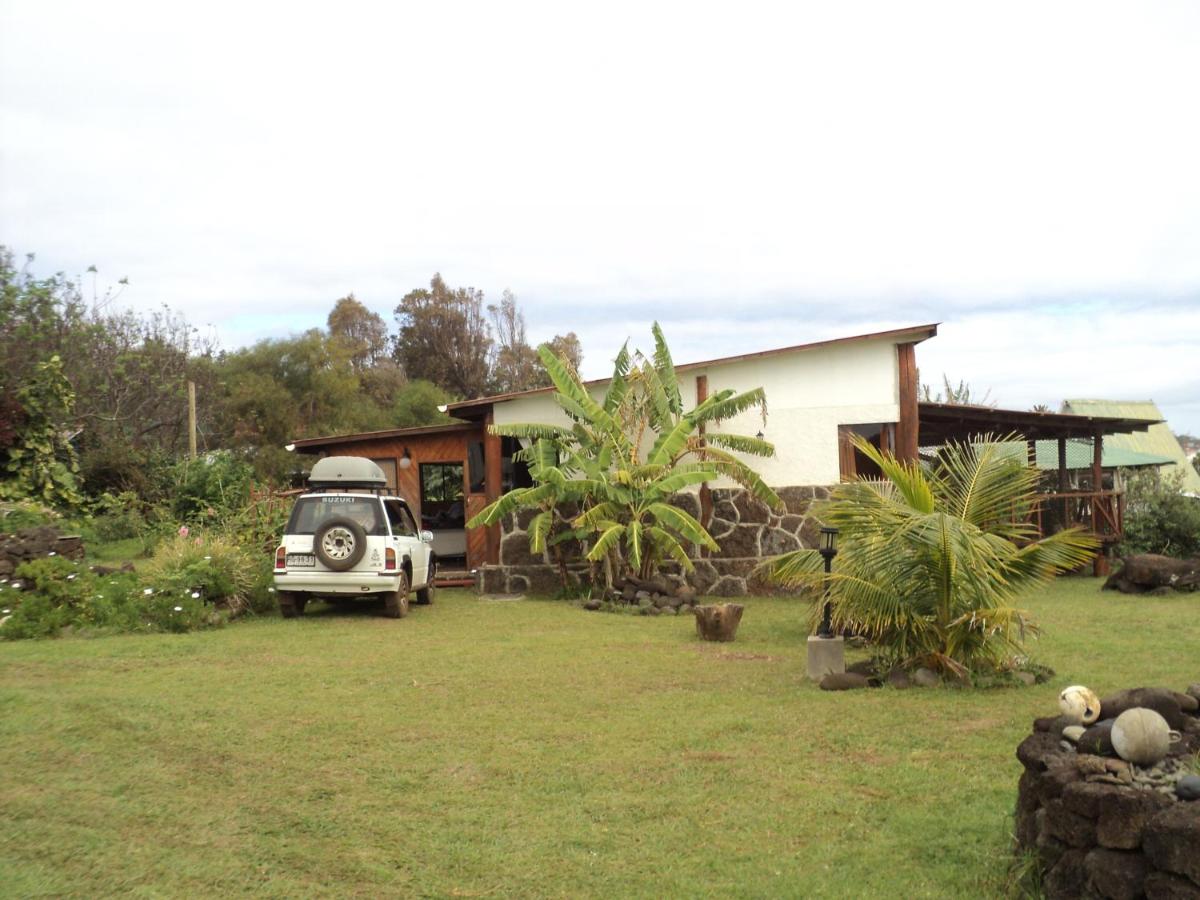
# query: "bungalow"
{"points": [[818, 394]]}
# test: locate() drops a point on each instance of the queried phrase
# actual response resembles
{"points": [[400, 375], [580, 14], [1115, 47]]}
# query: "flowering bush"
{"points": [[47, 596], [209, 567]]}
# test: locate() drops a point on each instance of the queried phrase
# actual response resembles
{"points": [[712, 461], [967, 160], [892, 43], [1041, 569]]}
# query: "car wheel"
{"points": [[340, 543], [426, 594], [290, 605], [395, 604]]}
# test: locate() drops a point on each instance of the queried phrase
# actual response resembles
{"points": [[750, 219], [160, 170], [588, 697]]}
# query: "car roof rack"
{"points": [[346, 472]]}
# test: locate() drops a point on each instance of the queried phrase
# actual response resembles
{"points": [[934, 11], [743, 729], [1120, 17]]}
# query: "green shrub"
{"points": [[211, 567], [1159, 518], [20, 513], [117, 517], [56, 593], [210, 489]]}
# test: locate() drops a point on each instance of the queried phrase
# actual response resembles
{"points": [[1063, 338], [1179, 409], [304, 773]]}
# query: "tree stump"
{"points": [[1145, 572], [719, 622]]}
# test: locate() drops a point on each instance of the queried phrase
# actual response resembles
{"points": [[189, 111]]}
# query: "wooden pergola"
{"points": [[1099, 510]]}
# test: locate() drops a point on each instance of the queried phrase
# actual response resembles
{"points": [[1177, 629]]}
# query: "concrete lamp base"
{"points": [[825, 655]]}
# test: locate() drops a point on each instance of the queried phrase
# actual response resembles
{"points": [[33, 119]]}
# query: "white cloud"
{"points": [[751, 176]]}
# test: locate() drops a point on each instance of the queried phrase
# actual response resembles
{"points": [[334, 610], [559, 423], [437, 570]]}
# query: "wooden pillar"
{"points": [[1031, 453], [491, 483], [908, 428], [705, 490], [1100, 565], [1064, 504]]}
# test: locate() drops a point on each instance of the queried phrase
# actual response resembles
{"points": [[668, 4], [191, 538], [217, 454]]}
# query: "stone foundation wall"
{"points": [[747, 530], [1100, 827], [36, 543]]}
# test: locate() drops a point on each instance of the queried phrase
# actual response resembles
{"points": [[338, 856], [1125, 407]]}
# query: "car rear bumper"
{"points": [[337, 582]]}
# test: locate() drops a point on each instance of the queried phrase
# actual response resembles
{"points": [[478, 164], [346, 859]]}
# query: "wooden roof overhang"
{"points": [[318, 443], [943, 422]]}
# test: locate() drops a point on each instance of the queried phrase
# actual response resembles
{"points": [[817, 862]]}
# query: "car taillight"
{"points": [[389, 558], [281, 558]]}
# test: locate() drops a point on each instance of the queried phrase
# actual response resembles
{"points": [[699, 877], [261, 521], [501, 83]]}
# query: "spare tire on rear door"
{"points": [[340, 543]]}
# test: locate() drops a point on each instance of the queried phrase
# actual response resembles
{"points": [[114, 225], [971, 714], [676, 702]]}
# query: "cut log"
{"points": [[718, 622], [1145, 572]]}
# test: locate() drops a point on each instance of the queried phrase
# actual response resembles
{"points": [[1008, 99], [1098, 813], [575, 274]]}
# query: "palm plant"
{"points": [[933, 557], [621, 460]]}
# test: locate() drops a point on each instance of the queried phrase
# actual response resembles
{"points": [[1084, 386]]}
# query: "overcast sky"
{"points": [[753, 176]]}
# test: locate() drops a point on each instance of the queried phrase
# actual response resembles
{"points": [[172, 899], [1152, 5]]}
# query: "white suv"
{"points": [[348, 537]]}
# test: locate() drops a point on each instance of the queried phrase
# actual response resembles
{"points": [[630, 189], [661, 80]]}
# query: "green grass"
{"points": [[526, 748]]}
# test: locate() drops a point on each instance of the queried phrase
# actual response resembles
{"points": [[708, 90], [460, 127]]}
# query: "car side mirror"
{"points": [[427, 537]]}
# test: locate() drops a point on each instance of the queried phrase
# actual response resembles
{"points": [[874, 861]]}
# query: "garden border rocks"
{"points": [[36, 543], [1098, 826]]}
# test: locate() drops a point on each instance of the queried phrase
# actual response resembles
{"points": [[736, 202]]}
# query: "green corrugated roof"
{"points": [[1157, 441], [1079, 455]]}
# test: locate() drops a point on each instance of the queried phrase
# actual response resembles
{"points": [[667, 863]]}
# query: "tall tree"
{"points": [[516, 366], [444, 338], [363, 332]]}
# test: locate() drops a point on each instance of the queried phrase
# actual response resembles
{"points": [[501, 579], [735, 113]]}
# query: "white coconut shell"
{"points": [[1079, 704], [1141, 736]]}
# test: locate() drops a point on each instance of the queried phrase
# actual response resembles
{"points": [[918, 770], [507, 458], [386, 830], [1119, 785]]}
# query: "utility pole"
{"points": [[191, 420]]}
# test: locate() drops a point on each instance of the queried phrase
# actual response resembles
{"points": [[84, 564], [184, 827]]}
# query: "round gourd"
{"points": [[1079, 704], [1141, 736]]}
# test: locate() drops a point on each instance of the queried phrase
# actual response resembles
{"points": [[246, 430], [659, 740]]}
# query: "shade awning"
{"points": [[941, 423]]}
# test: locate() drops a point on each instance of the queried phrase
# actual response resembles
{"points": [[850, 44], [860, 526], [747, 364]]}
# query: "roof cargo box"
{"points": [[346, 472]]}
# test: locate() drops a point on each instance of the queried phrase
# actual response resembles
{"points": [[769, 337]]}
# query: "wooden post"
{"points": [[1031, 453], [908, 427], [492, 486], [191, 420], [1062, 482], [1100, 565], [705, 491]]}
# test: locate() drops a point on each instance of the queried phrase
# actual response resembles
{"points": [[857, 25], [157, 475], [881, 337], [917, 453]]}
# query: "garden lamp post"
{"points": [[828, 550], [826, 651]]}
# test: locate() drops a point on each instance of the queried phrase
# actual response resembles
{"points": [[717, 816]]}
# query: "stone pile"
{"points": [[36, 543], [1102, 826], [661, 596]]}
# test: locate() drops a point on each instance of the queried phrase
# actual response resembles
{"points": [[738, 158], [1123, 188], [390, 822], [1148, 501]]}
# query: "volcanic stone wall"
{"points": [[36, 543], [746, 529], [1100, 827]]}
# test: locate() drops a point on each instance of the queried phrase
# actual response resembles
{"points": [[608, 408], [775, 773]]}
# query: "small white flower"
{"points": [[148, 591], [179, 609], [7, 611], [270, 590], [17, 585], [195, 595], [208, 557], [52, 553]]}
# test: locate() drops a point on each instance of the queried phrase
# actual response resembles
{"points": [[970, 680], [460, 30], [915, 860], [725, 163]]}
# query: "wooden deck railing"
{"points": [[1100, 512]]}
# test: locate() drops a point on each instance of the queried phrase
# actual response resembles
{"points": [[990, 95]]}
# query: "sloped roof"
{"points": [[1157, 440], [467, 409]]}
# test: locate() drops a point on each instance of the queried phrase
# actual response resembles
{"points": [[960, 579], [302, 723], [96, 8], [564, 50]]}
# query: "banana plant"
{"points": [[622, 459]]}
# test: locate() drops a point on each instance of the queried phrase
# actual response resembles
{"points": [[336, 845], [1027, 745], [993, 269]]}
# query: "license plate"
{"points": [[301, 559]]}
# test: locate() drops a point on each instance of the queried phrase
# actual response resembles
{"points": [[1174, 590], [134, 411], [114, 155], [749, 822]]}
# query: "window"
{"points": [[442, 496], [476, 468], [310, 513], [514, 473], [852, 462], [400, 518]]}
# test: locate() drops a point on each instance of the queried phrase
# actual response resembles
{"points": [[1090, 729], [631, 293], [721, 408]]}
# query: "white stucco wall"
{"points": [[809, 394]]}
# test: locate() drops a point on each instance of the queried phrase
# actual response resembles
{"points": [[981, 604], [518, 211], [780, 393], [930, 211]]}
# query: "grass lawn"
{"points": [[526, 748]]}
